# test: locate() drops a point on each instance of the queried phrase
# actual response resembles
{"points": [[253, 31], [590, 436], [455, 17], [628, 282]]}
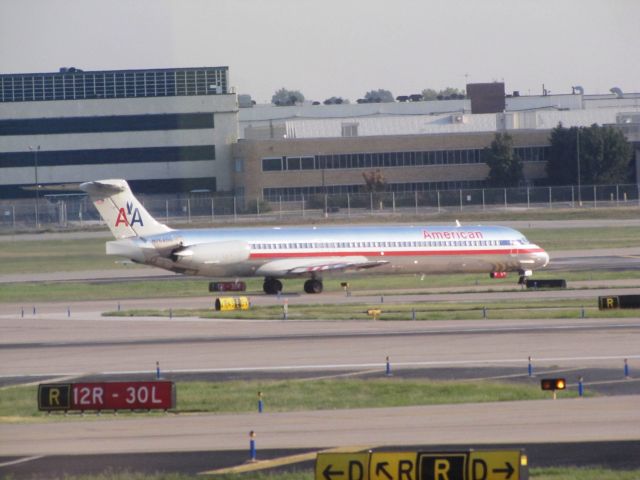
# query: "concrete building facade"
{"points": [[176, 131], [166, 131], [289, 169]]}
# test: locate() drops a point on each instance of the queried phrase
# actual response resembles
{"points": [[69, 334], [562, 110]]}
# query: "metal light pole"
{"points": [[578, 160], [35, 151]]}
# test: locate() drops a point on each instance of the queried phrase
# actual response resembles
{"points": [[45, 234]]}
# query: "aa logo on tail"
{"points": [[129, 217]]}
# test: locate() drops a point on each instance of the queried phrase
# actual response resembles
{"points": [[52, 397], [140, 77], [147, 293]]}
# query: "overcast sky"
{"points": [[337, 47]]}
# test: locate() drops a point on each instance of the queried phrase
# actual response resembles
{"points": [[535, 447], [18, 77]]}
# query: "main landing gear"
{"points": [[273, 286], [313, 286]]}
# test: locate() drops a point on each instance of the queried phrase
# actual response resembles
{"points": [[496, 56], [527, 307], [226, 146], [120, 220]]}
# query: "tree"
{"points": [[448, 93], [429, 94], [505, 167], [604, 156], [335, 101], [561, 163], [375, 184], [378, 96], [374, 181], [285, 98], [245, 101]]}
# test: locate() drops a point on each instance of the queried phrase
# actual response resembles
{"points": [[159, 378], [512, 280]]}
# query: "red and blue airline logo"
{"points": [[129, 217]]}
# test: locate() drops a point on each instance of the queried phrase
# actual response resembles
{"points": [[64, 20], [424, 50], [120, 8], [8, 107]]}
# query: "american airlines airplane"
{"points": [[277, 253]]}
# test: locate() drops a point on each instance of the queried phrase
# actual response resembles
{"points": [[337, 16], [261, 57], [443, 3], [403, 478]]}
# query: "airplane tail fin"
{"points": [[123, 213]]}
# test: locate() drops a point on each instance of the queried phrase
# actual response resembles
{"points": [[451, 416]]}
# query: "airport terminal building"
{"points": [[166, 131], [180, 131]]}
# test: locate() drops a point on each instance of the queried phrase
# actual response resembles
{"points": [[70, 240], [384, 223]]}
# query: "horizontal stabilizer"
{"points": [[100, 189]]}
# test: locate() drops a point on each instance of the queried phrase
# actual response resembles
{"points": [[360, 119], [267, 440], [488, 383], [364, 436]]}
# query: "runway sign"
{"points": [[158, 395], [342, 466], [454, 465], [609, 302], [390, 465]]}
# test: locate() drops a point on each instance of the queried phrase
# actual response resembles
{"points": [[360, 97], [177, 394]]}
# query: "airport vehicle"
{"points": [[278, 252]]}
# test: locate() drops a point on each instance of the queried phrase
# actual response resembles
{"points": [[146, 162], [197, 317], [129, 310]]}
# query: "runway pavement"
{"points": [[569, 420], [56, 342], [54, 346]]}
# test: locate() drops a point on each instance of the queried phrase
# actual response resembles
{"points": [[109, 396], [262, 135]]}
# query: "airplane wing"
{"points": [[291, 267]]}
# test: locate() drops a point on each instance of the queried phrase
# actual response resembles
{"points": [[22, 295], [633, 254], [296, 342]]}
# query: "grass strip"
{"points": [[198, 287], [39, 256], [420, 311], [18, 404]]}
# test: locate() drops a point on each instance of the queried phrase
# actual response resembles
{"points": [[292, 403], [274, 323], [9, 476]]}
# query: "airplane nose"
{"points": [[542, 258]]}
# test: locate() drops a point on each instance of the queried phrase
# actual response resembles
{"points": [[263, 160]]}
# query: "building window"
{"points": [[350, 129], [271, 164], [293, 163], [307, 163]]}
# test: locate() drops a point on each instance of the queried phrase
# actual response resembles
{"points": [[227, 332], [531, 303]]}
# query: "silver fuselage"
{"points": [[397, 249]]}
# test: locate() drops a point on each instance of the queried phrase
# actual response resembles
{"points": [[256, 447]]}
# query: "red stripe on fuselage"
{"points": [[393, 253]]}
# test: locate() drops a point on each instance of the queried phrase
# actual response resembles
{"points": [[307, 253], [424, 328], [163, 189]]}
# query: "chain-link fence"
{"points": [[72, 211]]}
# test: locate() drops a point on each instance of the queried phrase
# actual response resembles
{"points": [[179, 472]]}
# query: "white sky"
{"points": [[337, 47]]}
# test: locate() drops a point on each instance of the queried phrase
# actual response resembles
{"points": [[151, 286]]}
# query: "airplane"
{"points": [[277, 253]]}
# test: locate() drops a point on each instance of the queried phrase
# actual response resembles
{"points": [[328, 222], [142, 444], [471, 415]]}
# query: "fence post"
{"points": [[189, 210], [393, 202], [371, 202], [573, 204], [415, 198], [550, 206], [438, 195], [280, 204], [235, 208], [258, 206], [166, 210], [483, 204], [460, 199], [13, 216], [595, 197], [528, 199], [348, 205], [303, 205], [213, 209], [506, 205], [617, 196]]}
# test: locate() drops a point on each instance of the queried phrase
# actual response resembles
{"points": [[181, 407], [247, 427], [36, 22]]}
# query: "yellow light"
{"points": [[560, 384], [524, 460]]}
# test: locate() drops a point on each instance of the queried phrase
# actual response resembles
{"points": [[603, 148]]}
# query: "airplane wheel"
{"points": [[272, 286], [313, 286]]}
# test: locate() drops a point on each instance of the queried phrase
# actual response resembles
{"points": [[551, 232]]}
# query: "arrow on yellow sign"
{"points": [[381, 468], [327, 473], [508, 470]]}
